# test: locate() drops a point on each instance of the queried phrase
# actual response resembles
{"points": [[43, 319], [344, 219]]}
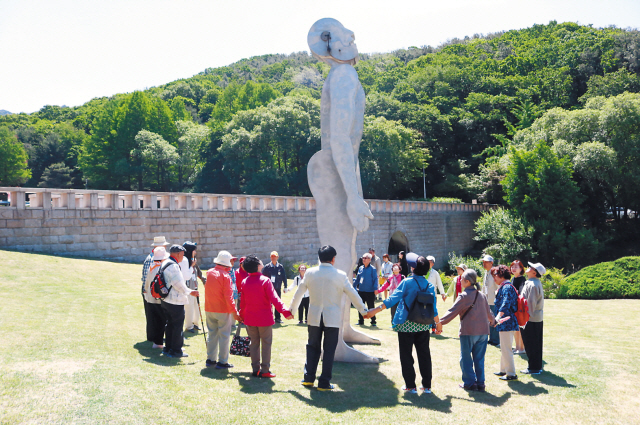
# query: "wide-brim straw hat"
{"points": [[160, 240]]}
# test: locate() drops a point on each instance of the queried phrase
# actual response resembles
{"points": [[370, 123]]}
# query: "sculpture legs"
{"points": [[335, 229]]}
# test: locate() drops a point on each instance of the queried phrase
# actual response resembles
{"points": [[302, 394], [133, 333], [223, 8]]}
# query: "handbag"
{"points": [[470, 307], [240, 344], [422, 310]]}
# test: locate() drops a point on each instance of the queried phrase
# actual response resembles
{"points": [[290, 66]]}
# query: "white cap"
{"points": [[224, 258], [539, 268], [160, 253], [461, 266], [431, 258], [487, 258]]}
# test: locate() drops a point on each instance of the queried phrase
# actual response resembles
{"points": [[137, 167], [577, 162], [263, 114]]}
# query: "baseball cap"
{"points": [[539, 268], [487, 258], [412, 259]]}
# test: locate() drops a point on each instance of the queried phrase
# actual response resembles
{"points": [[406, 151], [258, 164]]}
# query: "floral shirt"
{"points": [[507, 302]]}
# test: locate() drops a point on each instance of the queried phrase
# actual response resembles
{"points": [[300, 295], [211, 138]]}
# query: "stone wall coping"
{"points": [[77, 199]]}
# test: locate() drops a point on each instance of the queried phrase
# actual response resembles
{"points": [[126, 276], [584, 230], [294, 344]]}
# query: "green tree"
{"points": [[106, 157], [266, 150], [390, 158], [506, 235], [156, 155], [56, 176], [540, 189], [13, 159], [190, 141]]}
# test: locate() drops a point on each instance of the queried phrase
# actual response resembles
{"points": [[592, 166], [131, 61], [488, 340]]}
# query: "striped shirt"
{"points": [[145, 269]]}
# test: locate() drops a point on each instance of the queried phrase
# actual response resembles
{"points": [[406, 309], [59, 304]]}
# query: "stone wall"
{"points": [[114, 227]]}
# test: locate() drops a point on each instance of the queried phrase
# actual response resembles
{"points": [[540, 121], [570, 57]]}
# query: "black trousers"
{"points": [[369, 298], [156, 323], [304, 308], [406, 342], [532, 338], [146, 316], [276, 315], [315, 347], [175, 322]]}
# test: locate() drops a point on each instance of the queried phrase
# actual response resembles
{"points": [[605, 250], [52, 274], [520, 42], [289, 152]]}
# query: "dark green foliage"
{"points": [[540, 190], [57, 176], [615, 279], [463, 98]]}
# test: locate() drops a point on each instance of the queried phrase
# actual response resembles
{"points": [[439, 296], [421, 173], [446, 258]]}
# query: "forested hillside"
{"points": [[470, 111]]}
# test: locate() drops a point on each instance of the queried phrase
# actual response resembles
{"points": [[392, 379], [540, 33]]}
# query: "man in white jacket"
{"points": [[325, 284]]}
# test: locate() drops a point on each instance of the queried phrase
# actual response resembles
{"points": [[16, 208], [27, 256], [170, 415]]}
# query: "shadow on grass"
{"points": [[530, 388], [154, 355], [552, 379], [353, 393], [428, 401], [488, 398]]}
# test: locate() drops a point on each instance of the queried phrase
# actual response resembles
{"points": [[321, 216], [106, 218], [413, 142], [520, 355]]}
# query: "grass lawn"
{"points": [[74, 351]]}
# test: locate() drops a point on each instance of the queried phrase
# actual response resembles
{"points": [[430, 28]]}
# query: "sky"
{"points": [[67, 52]]}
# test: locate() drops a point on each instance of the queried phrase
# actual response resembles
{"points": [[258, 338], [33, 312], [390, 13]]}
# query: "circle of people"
{"points": [[487, 311]]}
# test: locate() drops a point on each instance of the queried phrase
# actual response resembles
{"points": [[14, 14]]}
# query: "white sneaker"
{"points": [[425, 390]]}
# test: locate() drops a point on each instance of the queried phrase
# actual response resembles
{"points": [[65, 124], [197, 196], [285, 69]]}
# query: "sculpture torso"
{"points": [[358, 113]]}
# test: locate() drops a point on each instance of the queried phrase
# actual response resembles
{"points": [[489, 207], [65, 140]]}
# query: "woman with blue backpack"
{"points": [[416, 311]]}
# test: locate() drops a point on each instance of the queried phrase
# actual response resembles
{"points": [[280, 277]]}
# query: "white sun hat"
{"points": [[224, 258]]}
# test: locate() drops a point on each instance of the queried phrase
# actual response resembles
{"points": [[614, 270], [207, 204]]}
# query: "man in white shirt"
{"points": [[173, 304], [489, 288], [325, 284], [434, 278]]}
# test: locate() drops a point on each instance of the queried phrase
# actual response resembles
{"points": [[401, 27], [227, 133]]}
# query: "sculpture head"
{"points": [[329, 41]]}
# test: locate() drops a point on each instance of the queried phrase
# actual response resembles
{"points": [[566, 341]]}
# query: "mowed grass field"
{"points": [[74, 350]]}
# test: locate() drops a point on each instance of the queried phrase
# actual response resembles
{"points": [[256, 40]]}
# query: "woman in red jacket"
{"points": [[258, 295]]}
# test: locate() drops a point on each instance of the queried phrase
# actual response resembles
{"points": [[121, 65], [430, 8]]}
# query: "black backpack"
{"points": [[158, 287], [422, 309]]}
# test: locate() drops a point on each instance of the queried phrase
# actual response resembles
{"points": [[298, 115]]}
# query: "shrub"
{"points": [[613, 279], [553, 282], [506, 234], [470, 262]]}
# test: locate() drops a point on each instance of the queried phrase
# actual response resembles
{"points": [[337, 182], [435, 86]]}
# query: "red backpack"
{"points": [[159, 288], [522, 313]]}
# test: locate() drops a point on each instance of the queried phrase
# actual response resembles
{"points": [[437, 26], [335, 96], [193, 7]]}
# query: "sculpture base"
{"points": [[347, 354]]}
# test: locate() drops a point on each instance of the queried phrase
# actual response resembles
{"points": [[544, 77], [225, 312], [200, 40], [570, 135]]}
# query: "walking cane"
{"points": [[201, 322]]}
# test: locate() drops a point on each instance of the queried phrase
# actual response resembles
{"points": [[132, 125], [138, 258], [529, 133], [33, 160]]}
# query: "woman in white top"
{"points": [[191, 311], [386, 272], [304, 304]]}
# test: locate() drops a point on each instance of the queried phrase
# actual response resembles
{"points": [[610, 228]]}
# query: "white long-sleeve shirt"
{"points": [[434, 279], [489, 287], [174, 278]]}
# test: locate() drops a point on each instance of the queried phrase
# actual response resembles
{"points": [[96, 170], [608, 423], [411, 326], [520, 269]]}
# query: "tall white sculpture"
{"points": [[334, 171]]}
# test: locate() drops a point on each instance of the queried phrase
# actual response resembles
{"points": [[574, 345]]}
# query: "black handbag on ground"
{"points": [[422, 309], [240, 344]]}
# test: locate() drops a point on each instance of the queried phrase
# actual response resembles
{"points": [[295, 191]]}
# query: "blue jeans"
{"points": [[472, 351], [494, 337]]}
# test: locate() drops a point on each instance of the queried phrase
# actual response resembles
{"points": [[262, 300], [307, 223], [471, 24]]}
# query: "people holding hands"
{"points": [[412, 334], [258, 295], [475, 318]]}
